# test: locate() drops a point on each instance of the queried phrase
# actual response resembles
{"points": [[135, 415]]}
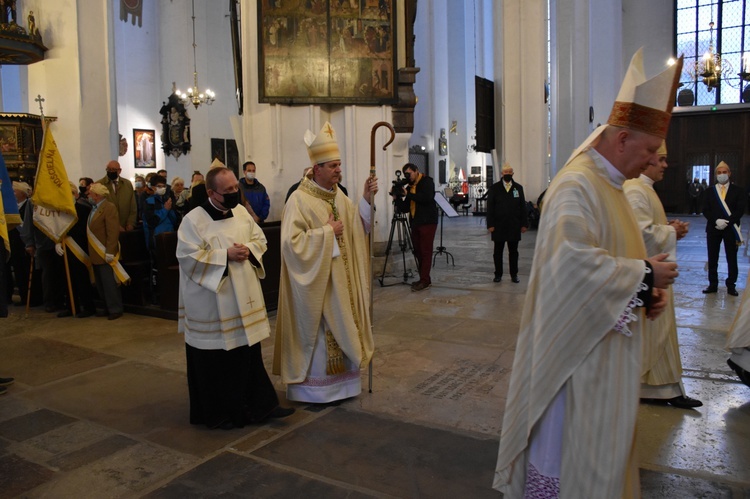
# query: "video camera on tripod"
{"points": [[400, 228], [398, 184]]}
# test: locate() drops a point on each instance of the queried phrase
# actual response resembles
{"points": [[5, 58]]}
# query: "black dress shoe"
{"points": [[515, 279], [112, 317], [732, 291], [684, 402], [741, 373], [497, 279], [224, 425], [710, 289], [64, 313], [281, 412]]}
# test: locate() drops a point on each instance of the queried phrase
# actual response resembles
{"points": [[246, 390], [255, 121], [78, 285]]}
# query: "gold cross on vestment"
{"points": [[250, 302], [329, 131]]}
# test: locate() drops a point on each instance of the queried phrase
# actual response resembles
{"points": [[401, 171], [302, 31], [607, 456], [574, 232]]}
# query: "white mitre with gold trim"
{"points": [[322, 147], [642, 104]]}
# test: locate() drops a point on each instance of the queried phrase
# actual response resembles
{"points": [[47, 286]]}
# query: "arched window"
{"points": [[730, 37]]}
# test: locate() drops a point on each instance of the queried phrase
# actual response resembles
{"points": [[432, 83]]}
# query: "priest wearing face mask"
{"points": [[222, 314], [121, 194], [723, 207], [254, 196]]}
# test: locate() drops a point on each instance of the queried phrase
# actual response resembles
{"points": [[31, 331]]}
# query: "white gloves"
{"points": [[59, 249], [721, 224], [109, 258]]}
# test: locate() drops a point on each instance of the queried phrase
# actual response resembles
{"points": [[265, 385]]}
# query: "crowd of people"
{"points": [[598, 320], [105, 208]]}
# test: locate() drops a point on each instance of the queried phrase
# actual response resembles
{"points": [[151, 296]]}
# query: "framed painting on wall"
{"points": [[8, 138], [144, 148], [319, 52], [233, 157], [218, 151]]}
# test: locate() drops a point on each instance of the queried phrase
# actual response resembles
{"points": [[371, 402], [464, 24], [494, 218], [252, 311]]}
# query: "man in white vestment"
{"points": [[323, 325], [569, 423], [661, 374], [222, 313], [738, 340]]}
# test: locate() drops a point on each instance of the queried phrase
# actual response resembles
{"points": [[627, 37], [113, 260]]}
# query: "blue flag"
{"points": [[9, 216]]}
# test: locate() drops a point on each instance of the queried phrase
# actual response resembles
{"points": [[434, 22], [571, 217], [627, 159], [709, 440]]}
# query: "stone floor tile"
{"points": [[656, 485], [32, 424], [124, 473], [388, 456], [18, 476], [230, 475], [91, 452], [36, 361]]}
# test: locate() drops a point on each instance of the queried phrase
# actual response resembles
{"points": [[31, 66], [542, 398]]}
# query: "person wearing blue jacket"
{"points": [[158, 213], [255, 198]]}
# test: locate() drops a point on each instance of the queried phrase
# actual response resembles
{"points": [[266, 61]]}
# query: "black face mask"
{"points": [[82, 190], [112, 175], [231, 199], [507, 178]]}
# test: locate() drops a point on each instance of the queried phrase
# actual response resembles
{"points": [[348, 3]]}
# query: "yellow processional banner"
{"points": [[54, 208]]}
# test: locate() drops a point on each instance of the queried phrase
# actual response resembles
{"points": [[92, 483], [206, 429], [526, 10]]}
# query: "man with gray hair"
{"points": [[572, 405], [103, 238], [121, 195], [723, 207], [20, 260]]}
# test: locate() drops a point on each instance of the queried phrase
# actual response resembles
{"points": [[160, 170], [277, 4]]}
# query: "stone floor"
{"points": [[99, 408]]}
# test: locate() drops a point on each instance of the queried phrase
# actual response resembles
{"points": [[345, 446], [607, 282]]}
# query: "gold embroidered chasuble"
{"points": [[660, 348], [218, 311], [588, 265], [317, 287]]}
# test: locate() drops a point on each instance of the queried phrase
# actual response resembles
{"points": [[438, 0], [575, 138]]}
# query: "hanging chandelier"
{"points": [[711, 68], [193, 95]]}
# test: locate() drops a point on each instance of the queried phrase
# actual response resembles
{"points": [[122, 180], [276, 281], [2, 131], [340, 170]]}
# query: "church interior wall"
{"points": [[117, 75], [58, 77], [654, 32], [273, 136], [460, 61]]}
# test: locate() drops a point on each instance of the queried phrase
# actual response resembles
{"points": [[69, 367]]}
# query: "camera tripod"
{"points": [[400, 225]]}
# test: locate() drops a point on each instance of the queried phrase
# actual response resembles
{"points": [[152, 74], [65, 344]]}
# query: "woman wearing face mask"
{"points": [[140, 198], [180, 195]]}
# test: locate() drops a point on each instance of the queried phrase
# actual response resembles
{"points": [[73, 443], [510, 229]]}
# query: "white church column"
{"points": [[520, 110], [440, 94], [76, 80], [587, 69]]}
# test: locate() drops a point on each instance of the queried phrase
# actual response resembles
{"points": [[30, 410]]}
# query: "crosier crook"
{"points": [[372, 216]]}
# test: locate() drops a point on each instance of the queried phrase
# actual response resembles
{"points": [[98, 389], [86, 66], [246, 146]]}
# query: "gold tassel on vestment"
{"points": [[335, 364]]}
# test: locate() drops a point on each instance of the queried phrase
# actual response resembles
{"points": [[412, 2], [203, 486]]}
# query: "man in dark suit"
{"points": [[418, 200], [723, 207], [506, 221]]}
